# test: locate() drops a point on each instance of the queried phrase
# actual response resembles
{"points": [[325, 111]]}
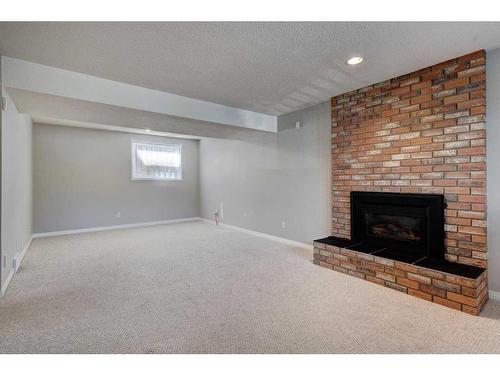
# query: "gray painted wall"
{"points": [[493, 165], [16, 209], [1, 131], [82, 179], [273, 178]]}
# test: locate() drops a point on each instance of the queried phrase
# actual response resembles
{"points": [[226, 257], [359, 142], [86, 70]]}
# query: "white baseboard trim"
{"points": [[7, 282], [19, 257], [495, 296], [113, 227], [282, 240]]}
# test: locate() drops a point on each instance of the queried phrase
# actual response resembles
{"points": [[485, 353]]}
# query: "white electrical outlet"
{"points": [[297, 125], [118, 214], [283, 224]]}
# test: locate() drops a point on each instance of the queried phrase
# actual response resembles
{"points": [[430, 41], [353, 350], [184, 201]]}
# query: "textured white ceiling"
{"points": [[272, 68]]}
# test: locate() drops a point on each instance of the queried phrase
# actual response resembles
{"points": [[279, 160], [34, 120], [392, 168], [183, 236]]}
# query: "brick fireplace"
{"points": [[423, 133]]}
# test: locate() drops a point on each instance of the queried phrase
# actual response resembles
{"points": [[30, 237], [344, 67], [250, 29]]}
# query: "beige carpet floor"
{"points": [[193, 288]]}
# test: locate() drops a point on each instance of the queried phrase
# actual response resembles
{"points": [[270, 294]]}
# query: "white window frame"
{"points": [[133, 162]]}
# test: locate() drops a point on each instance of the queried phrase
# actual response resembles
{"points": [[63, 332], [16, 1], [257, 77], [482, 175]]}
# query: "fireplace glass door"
{"points": [[409, 229], [409, 223]]}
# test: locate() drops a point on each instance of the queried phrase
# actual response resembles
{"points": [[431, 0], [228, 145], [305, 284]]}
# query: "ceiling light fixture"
{"points": [[147, 129], [355, 60]]}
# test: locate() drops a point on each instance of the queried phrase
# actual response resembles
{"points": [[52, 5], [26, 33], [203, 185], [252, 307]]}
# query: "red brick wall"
{"points": [[423, 132]]}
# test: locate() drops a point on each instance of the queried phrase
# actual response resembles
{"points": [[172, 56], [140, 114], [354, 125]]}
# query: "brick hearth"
{"points": [[461, 293]]}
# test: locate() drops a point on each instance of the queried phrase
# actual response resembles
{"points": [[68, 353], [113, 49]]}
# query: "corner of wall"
{"points": [[1, 130], [16, 202], [493, 175]]}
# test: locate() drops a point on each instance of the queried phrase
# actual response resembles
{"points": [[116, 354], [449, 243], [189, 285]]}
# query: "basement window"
{"points": [[156, 161]]}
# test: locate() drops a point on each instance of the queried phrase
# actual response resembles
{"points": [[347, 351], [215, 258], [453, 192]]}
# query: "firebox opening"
{"points": [[394, 227], [408, 224]]}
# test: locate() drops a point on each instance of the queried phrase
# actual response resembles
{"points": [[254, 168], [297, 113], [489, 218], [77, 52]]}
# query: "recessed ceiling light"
{"points": [[147, 129], [355, 60]]}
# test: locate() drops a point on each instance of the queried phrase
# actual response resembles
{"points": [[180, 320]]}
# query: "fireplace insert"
{"points": [[402, 223]]}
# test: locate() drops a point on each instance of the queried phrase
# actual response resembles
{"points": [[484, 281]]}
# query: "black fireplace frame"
{"points": [[433, 205]]}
